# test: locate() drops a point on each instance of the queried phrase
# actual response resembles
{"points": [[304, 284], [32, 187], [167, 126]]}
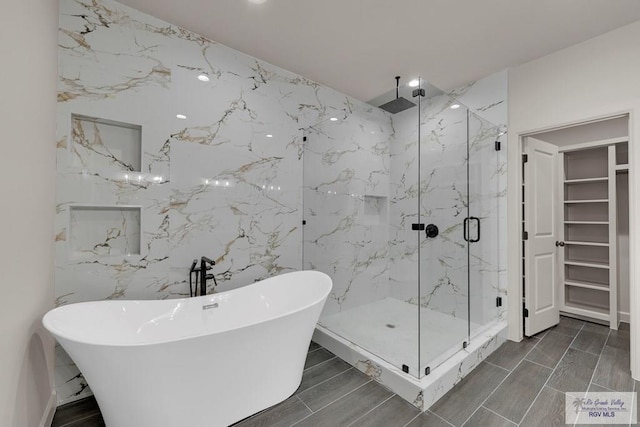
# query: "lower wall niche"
{"points": [[102, 231]]}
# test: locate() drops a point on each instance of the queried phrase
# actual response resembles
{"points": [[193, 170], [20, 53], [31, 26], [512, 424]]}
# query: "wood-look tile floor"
{"points": [[520, 384]]}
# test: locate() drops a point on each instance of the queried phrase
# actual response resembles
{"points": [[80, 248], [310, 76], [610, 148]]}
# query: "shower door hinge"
{"points": [[427, 370], [417, 92], [499, 302], [497, 145], [304, 222], [526, 312], [525, 158], [405, 369], [464, 344], [304, 138], [525, 235], [418, 226]]}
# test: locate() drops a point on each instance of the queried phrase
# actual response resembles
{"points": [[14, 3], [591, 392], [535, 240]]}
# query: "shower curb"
{"points": [[424, 392]]}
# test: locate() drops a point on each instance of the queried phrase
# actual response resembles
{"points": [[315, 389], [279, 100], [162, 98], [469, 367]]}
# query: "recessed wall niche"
{"points": [[104, 231], [375, 210], [100, 143]]}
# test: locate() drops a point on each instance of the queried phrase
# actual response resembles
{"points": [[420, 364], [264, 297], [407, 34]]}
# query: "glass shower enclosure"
{"points": [[401, 211]]}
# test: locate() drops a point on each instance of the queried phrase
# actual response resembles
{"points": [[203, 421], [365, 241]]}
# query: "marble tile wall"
{"points": [[442, 190], [346, 202], [370, 261], [224, 182], [446, 201]]}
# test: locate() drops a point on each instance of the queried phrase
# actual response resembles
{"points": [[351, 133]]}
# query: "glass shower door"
{"points": [[443, 288], [487, 182]]}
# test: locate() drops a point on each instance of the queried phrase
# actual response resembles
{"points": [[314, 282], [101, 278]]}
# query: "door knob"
{"points": [[559, 243]]}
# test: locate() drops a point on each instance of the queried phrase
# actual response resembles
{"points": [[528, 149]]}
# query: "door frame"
{"points": [[514, 224]]}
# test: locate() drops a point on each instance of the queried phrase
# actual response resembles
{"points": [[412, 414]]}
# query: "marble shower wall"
{"points": [[446, 201], [443, 191], [157, 191], [346, 203]]}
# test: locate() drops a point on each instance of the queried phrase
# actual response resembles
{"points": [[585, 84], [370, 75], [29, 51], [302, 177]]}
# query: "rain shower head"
{"points": [[399, 104]]}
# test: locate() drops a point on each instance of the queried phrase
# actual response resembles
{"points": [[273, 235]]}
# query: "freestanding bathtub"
{"points": [[205, 361]]}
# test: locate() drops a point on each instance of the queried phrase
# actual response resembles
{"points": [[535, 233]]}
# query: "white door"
{"points": [[541, 213]]}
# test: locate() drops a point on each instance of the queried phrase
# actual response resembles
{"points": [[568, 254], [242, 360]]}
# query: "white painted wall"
{"points": [[593, 79], [28, 40]]}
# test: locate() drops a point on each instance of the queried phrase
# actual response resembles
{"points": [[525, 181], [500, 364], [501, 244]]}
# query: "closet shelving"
{"points": [[589, 265]]}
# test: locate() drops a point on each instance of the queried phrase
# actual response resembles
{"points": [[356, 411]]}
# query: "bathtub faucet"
{"points": [[206, 264]]}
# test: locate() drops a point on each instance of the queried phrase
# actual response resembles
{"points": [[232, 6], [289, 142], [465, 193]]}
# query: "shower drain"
{"points": [[389, 325]]}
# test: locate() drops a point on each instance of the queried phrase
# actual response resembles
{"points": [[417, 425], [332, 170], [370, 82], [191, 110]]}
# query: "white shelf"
{"points": [[588, 201], [594, 314], [585, 180], [587, 222], [587, 264], [587, 285], [575, 243]]}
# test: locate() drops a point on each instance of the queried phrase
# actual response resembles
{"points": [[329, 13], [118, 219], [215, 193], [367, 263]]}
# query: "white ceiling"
{"points": [[358, 46]]}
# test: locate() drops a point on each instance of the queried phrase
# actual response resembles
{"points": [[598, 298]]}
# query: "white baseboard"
{"points": [[624, 317], [50, 410]]}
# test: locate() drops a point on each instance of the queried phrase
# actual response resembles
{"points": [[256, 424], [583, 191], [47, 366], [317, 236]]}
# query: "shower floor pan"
{"points": [[380, 337]]}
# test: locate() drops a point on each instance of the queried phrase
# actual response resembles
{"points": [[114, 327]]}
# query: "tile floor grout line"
{"points": [[493, 364], [600, 385], [541, 365], [505, 378], [333, 401], [554, 389], [594, 369], [70, 424], [494, 412], [433, 413], [413, 419], [370, 410], [550, 375], [324, 381], [314, 350], [318, 364], [305, 405]]}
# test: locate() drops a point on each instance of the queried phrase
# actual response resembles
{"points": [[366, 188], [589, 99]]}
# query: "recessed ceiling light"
{"points": [[257, 1], [414, 83], [203, 78], [455, 106], [333, 119], [269, 136], [181, 116]]}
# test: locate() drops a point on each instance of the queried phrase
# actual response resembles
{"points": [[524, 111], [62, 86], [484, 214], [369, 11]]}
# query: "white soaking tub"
{"points": [[204, 361]]}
